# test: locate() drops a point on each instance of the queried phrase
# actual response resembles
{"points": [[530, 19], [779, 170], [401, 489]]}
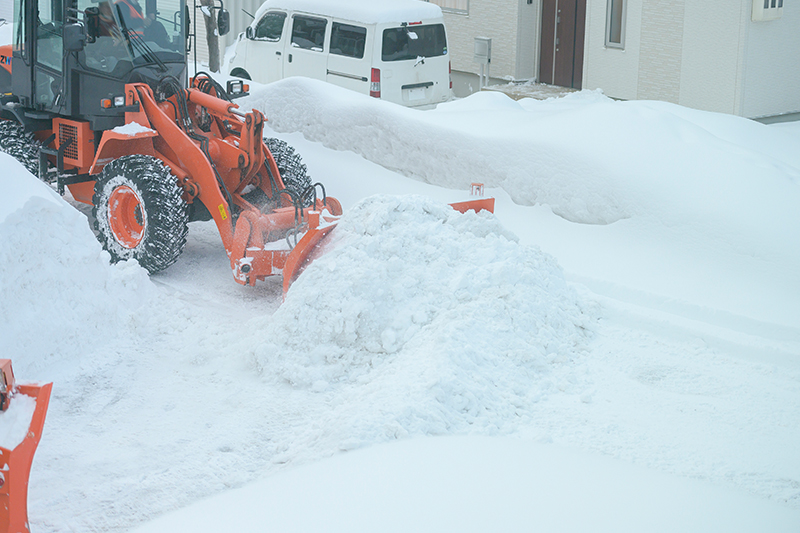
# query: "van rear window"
{"points": [[410, 42], [348, 40]]}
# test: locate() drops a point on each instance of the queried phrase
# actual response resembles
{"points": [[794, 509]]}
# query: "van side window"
{"points": [[348, 40], [309, 33], [270, 27], [410, 42]]}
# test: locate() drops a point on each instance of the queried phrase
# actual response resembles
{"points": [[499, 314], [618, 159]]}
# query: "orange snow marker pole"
{"points": [[15, 465], [477, 205]]}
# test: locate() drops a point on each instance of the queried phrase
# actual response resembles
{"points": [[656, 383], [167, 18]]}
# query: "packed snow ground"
{"points": [[634, 304]]}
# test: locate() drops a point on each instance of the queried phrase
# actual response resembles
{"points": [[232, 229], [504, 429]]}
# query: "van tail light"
{"points": [[375, 83], [450, 73]]}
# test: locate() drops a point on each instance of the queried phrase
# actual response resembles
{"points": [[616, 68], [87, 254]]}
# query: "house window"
{"points": [[453, 6], [767, 9], [615, 24]]}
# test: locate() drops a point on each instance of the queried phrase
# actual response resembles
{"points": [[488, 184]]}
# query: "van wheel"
{"points": [[139, 212], [241, 73], [293, 171]]}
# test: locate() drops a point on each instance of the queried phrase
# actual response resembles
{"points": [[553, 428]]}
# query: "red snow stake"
{"points": [[15, 465], [480, 203]]}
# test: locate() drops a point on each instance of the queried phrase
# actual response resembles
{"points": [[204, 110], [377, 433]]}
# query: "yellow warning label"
{"points": [[222, 212]]}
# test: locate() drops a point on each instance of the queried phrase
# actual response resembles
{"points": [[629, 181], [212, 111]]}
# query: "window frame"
{"points": [[623, 12], [767, 10]]}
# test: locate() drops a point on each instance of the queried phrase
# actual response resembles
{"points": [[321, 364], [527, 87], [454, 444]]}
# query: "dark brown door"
{"points": [[561, 51]]}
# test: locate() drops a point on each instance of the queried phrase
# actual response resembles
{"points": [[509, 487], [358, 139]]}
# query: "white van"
{"points": [[395, 50]]}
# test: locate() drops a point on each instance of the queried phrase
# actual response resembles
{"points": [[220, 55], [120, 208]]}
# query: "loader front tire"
{"points": [[20, 144], [139, 212], [293, 171]]}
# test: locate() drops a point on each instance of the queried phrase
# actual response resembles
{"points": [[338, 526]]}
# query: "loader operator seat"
{"points": [[112, 47]]}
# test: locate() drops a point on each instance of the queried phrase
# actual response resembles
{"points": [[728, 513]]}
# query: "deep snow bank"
{"points": [[407, 141], [443, 316], [589, 158], [56, 285]]}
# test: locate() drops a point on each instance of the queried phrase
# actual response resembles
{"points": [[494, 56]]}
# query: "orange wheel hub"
{"points": [[125, 216]]}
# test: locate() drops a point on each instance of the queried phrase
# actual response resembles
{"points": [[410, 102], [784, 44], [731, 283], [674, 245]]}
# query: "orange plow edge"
{"points": [[15, 464]]}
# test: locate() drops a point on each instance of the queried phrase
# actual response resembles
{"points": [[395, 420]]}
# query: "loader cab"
{"points": [[58, 71]]}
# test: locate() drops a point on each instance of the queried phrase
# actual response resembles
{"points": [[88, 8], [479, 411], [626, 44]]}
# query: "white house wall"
{"points": [[772, 65], [614, 70], [528, 30], [7, 10], [713, 44], [496, 19], [660, 57]]}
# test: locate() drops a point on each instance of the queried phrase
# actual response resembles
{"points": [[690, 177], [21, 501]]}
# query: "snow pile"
{"points": [[15, 420], [591, 159], [56, 285], [440, 315], [132, 129], [634, 175]]}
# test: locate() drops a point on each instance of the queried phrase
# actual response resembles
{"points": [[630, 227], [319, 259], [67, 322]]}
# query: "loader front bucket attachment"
{"points": [[477, 205], [15, 463]]}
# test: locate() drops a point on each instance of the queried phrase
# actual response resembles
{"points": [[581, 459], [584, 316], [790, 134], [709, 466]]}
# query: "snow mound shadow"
{"points": [[416, 299]]}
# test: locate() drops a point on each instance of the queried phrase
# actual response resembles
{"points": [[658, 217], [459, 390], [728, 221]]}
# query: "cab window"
{"points": [[270, 27]]}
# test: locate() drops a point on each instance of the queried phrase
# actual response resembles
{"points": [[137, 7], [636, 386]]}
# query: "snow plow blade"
{"points": [[15, 464], [477, 205], [306, 250]]}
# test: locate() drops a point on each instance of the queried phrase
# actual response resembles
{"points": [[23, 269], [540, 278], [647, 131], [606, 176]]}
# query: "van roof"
{"points": [[364, 11]]}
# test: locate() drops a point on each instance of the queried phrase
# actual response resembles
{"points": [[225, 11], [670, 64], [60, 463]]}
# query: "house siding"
{"points": [[711, 74], [689, 53], [772, 65], [661, 51], [527, 65], [495, 19], [614, 70]]}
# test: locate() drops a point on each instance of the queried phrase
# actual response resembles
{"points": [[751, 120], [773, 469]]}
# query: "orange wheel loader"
{"points": [[95, 97]]}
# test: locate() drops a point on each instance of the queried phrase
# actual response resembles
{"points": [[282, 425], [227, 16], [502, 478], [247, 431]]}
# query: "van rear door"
{"points": [[305, 55], [347, 66], [416, 56]]}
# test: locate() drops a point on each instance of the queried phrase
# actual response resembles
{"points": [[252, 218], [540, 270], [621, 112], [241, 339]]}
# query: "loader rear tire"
{"points": [[293, 171], [139, 212], [20, 144]]}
